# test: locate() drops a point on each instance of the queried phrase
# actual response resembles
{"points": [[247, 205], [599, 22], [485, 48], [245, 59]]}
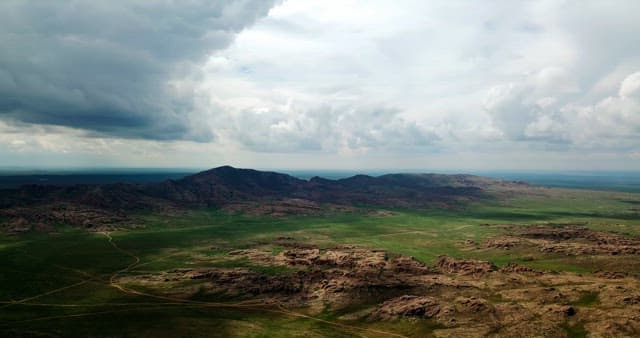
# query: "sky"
{"points": [[482, 85]]}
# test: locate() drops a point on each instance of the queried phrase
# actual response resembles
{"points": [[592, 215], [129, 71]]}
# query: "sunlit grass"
{"points": [[37, 262]]}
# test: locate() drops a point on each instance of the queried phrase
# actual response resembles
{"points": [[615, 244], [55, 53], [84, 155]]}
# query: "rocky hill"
{"points": [[239, 189]]}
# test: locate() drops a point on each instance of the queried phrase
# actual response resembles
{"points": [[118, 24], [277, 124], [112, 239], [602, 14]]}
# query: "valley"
{"points": [[493, 259]]}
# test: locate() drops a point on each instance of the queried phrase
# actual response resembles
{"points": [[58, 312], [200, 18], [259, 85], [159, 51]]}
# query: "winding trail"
{"points": [[24, 300], [172, 302], [60, 289], [129, 267], [243, 304], [86, 314]]}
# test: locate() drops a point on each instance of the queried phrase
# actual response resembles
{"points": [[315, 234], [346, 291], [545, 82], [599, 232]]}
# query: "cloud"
{"points": [[527, 110], [106, 67], [441, 78], [630, 87], [613, 121], [333, 129], [326, 79], [523, 113]]}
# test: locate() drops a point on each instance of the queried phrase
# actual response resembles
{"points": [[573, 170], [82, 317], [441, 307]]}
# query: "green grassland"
{"points": [[60, 279]]}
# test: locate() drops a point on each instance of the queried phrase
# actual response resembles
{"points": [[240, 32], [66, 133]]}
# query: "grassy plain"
{"points": [[57, 283]]}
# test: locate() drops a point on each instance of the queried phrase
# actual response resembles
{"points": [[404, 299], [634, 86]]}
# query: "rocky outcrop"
{"points": [[408, 306], [569, 240], [464, 266], [560, 310], [44, 217], [472, 305], [521, 269], [248, 191], [503, 242], [404, 264]]}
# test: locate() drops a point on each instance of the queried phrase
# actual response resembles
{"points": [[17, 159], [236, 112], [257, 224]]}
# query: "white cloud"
{"points": [[630, 87], [353, 79], [613, 121]]}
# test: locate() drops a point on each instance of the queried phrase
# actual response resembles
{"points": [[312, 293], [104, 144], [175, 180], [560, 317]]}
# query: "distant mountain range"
{"points": [[241, 190]]}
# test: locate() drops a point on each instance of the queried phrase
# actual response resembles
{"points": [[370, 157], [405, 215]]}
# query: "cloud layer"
{"points": [[375, 83], [450, 75], [107, 67]]}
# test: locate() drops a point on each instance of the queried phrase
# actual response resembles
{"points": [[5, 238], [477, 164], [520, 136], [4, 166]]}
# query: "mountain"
{"points": [[223, 185], [239, 189]]}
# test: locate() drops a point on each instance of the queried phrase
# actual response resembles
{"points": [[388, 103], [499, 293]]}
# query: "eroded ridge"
{"points": [[456, 297]]}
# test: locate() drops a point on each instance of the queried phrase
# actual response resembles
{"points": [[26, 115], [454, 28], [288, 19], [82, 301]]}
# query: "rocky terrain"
{"points": [[205, 250], [566, 239], [237, 190], [460, 297]]}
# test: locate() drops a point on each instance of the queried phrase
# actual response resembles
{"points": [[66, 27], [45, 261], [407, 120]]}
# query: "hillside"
{"points": [[244, 190]]}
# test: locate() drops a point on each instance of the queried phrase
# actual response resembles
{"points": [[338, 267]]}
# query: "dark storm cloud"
{"points": [[105, 66]]}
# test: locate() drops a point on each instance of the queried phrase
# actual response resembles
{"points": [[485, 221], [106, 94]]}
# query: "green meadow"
{"points": [[57, 283]]}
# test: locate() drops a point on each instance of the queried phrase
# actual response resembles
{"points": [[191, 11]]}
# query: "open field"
{"points": [[70, 282], [319, 168]]}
